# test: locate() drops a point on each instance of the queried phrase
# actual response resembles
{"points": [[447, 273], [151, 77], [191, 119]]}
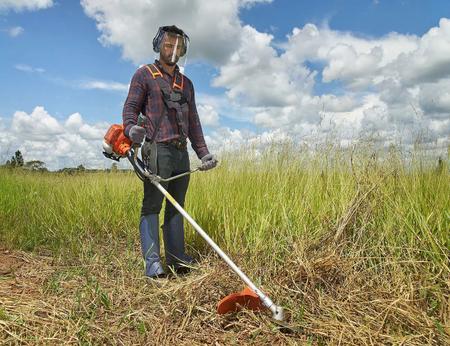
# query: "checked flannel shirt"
{"points": [[144, 96]]}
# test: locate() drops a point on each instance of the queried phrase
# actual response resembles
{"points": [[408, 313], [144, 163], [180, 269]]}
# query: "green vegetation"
{"points": [[346, 241]]}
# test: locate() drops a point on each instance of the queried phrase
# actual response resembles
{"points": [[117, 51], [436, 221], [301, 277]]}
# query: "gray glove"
{"points": [[137, 134], [208, 162]]}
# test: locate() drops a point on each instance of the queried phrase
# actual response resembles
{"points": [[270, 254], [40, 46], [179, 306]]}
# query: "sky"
{"points": [[264, 71]]}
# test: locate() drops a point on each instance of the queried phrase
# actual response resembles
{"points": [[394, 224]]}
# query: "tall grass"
{"points": [[372, 224], [258, 204]]}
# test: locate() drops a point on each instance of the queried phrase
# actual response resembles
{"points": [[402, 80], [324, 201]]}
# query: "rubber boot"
{"points": [[149, 230], [173, 233]]}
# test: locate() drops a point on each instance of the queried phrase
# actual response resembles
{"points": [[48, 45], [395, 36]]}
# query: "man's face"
{"points": [[171, 48]]}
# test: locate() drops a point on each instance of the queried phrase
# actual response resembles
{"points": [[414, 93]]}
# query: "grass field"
{"points": [[354, 246]]}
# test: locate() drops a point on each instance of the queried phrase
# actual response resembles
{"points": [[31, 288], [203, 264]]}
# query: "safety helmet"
{"points": [[157, 40]]}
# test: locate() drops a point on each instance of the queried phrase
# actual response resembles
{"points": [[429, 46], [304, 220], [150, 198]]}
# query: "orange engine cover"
{"points": [[116, 139]]}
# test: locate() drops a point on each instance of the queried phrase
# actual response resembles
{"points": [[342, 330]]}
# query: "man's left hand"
{"points": [[208, 161]]}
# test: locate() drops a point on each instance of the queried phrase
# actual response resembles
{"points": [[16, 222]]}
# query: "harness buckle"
{"points": [[175, 96], [175, 85], [179, 143], [156, 73]]}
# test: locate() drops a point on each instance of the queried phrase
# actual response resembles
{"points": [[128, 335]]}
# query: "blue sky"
{"points": [[52, 56]]}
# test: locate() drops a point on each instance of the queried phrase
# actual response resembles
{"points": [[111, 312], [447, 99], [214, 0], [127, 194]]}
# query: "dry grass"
{"points": [[331, 298]]}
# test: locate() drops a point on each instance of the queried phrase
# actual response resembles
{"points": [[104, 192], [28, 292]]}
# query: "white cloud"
{"points": [[21, 5], [208, 115], [104, 85], [38, 125], [376, 93], [225, 139], [252, 77], [250, 3], [434, 98], [15, 31], [213, 26], [76, 124], [40, 136], [28, 68], [389, 84], [430, 61]]}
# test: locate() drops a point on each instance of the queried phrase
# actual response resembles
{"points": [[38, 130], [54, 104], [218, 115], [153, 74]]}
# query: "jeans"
{"points": [[170, 161]]}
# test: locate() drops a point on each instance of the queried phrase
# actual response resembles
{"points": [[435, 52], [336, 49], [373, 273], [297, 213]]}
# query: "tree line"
{"points": [[17, 161]]}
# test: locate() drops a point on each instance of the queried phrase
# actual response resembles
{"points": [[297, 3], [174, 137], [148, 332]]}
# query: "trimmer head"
{"points": [[236, 301], [248, 299]]}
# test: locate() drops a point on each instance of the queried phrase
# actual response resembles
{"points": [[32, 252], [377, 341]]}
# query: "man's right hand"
{"points": [[137, 134]]}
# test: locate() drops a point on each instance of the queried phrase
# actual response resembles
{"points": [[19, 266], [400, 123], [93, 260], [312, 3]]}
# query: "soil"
{"points": [[9, 262]]}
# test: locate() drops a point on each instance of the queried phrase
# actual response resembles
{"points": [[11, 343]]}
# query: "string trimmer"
{"points": [[117, 146]]}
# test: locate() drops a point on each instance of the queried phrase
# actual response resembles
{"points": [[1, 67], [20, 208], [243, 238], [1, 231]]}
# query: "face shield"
{"points": [[172, 47]]}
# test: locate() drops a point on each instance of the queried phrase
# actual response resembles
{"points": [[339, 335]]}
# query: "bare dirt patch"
{"points": [[9, 262]]}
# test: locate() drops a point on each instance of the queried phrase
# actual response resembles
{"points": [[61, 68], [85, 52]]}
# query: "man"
{"points": [[166, 98]]}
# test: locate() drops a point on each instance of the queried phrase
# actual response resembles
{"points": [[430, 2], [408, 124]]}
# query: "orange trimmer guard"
{"points": [[236, 301]]}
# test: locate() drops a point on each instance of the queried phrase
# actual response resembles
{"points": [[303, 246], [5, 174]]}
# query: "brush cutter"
{"points": [[117, 146]]}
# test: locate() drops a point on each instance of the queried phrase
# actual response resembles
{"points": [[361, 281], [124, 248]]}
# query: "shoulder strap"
{"points": [[172, 97], [178, 81], [154, 71], [157, 75]]}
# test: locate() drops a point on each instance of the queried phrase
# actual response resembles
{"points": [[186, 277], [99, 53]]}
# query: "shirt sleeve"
{"points": [[135, 101], [195, 128]]}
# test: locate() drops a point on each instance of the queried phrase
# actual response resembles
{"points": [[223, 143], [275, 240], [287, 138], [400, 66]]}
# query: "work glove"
{"points": [[137, 134], [208, 162]]}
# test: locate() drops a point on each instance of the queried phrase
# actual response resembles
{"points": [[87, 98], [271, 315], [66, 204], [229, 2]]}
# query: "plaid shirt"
{"points": [[145, 97]]}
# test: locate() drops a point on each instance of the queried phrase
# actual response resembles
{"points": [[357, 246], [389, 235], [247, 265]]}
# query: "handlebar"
{"points": [[143, 173]]}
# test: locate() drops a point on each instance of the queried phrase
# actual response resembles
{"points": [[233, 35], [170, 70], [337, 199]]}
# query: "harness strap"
{"points": [[155, 72], [173, 98], [178, 81]]}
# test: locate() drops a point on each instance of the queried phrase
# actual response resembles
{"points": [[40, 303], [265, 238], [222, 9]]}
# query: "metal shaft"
{"points": [[277, 311]]}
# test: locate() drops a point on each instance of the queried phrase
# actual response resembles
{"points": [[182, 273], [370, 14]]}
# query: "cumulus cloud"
{"points": [[430, 61], [208, 115], [347, 57], [22, 5], [434, 98], [38, 125], [41, 136], [213, 26], [394, 85]]}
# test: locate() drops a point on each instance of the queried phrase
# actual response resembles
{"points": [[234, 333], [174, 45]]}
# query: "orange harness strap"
{"points": [[155, 72]]}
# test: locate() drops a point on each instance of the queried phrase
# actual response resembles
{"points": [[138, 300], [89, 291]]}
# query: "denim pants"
{"points": [[170, 161]]}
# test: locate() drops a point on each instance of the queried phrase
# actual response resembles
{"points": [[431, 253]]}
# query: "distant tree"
{"points": [[16, 160], [81, 168], [19, 158], [67, 170], [35, 165]]}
